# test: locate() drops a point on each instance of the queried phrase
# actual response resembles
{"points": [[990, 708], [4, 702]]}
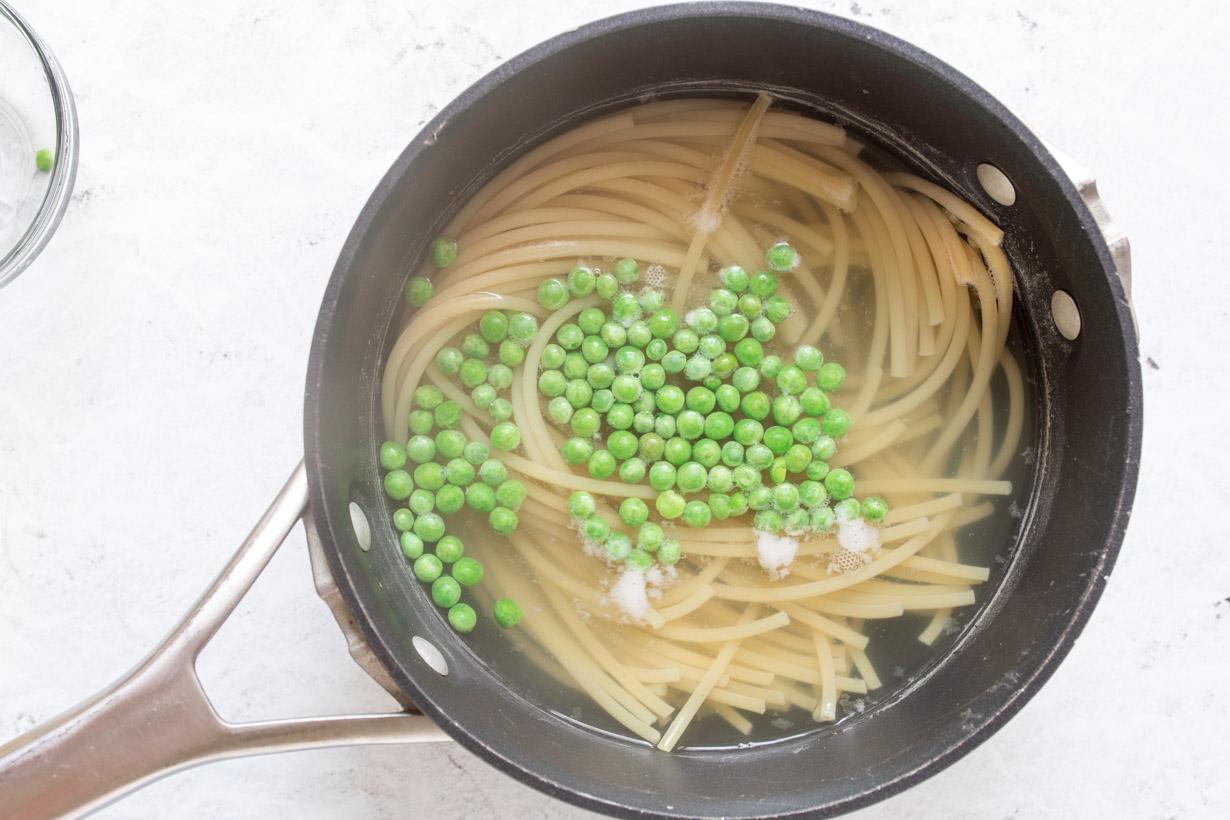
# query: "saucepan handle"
{"points": [[157, 719]]}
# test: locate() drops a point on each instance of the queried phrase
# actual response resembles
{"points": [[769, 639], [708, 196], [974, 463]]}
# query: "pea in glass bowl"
{"points": [[38, 144]]}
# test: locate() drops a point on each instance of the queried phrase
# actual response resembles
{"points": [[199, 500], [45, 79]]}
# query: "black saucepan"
{"points": [[1088, 415]]}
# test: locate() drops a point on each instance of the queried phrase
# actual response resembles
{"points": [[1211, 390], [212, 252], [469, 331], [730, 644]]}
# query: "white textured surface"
{"points": [[152, 364]]}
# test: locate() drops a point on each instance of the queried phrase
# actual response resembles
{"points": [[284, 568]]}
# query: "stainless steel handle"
{"points": [[157, 719]]}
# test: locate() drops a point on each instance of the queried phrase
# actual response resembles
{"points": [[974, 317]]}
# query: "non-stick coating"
{"points": [[1089, 418]]}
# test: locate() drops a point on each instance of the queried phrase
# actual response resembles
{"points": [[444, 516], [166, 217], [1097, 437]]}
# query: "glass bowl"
{"points": [[38, 144]]}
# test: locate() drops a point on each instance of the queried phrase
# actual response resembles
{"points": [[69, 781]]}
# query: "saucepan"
{"points": [[1080, 352]]}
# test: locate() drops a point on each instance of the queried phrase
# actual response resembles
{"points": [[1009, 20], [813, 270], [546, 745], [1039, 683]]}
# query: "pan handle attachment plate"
{"points": [[157, 719]]}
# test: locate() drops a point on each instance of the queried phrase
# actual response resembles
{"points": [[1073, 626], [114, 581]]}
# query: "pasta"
{"points": [[897, 277]]}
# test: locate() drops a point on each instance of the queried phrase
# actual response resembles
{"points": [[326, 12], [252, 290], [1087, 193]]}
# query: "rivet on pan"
{"points": [[428, 652], [996, 184], [1066, 314], [362, 530]]}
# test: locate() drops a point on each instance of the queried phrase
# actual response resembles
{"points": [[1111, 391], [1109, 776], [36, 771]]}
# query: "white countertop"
{"points": [[153, 358]]}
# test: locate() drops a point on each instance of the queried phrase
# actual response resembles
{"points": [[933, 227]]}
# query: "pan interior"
{"points": [[906, 103]]}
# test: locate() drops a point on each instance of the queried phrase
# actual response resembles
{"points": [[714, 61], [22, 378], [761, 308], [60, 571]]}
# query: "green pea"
{"points": [[760, 498], [633, 512], [824, 448], [411, 545], [427, 568], [625, 308], [499, 376], [569, 336], [777, 471], [663, 323], [696, 513], [578, 394], [650, 299], [475, 346], [719, 505], [652, 445], [733, 328], [786, 409], [581, 504], [839, 483], [797, 458], [429, 527], [792, 381], [847, 509], [652, 376], [732, 454], [812, 493], [691, 477], [418, 291], [762, 329], [785, 497], [596, 529], [646, 402], [734, 277], [448, 415], [638, 334], [806, 430], [501, 409], [626, 388], [755, 405], [632, 471], [462, 618], [492, 472], [502, 520], [594, 349], [445, 591], [392, 455], [830, 376], [674, 362], [781, 257], [836, 423], [448, 360], [749, 306], [664, 426], [629, 361], [398, 485], [719, 425], [723, 366], [823, 519], [600, 375], [797, 521], [758, 456], [642, 421], [748, 431], [483, 396], [427, 397], [706, 452], [738, 503], [677, 451], [601, 464], [745, 379], [768, 521], [403, 519], [622, 444], [711, 346], [614, 335], [511, 494], [814, 401], [650, 536], [553, 294], [607, 286], [559, 410], [763, 284], [670, 552], [43, 160], [585, 422], [450, 499], [817, 469], [686, 340], [874, 508], [726, 398], [507, 613], [581, 281], [576, 450], [777, 310], [421, 501], [720, 479], [655, 350], [449, 548], [505, 436], [450, 444], [522, 327], [698, 367], [553, 357], [670, 504], [422, 422], [618, 546], [493, 326], [620, 416], [460, 472], [722, 302], [627, 271], [480, 498], [690, 424], [702, 320]]}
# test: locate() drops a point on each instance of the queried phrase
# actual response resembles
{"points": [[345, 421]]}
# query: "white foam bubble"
{"points": [[775, 553]]}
